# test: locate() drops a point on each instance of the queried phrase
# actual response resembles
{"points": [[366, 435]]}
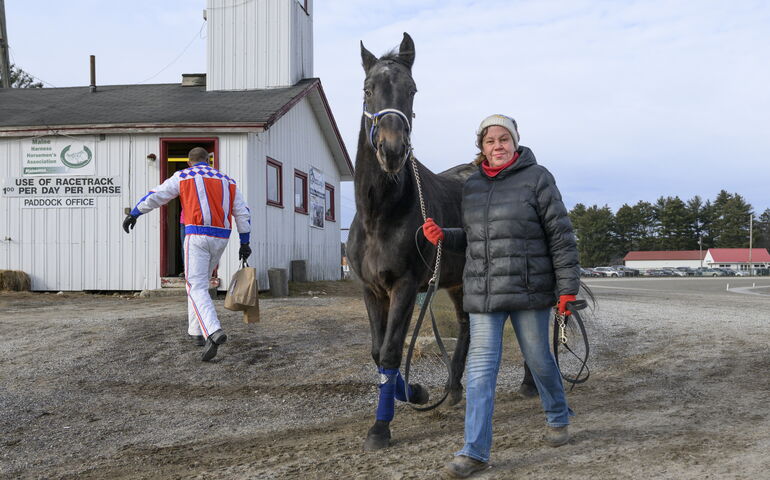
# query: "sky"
{"points": [[621, 100]]}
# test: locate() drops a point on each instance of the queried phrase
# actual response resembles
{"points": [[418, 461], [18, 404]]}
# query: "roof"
{"points": [[162, 107], [738, 255], [665, 255]]}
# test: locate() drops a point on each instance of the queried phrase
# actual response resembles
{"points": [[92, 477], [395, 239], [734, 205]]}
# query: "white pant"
{"points": [[201, 255]]}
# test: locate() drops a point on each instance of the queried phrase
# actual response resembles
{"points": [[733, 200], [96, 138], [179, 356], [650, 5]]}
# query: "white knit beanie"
{"points": [[502, 121]]}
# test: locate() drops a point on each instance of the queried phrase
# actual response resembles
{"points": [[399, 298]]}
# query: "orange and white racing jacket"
{"points": [[209, 200]]}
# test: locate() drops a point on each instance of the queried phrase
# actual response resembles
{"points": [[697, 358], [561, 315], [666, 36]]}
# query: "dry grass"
{"points": [[15, 281]]}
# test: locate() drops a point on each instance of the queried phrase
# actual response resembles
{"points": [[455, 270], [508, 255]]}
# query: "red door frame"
{"points": [[164, 142]]}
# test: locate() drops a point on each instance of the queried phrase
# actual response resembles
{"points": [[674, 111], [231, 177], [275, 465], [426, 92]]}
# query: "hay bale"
{"points": [[15, 281]]}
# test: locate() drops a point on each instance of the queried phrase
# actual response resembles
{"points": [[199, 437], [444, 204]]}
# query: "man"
{"points": [[209, 199]]}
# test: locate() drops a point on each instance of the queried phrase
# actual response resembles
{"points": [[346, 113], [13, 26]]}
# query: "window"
{"points": [[329, 202], [274, 183], [300, 192]]}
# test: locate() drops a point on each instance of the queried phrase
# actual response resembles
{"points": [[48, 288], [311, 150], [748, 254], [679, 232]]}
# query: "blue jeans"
{"points": [[486, 348]]}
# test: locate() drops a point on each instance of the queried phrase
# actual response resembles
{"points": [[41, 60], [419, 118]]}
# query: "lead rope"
{"points": [[426, 307]]}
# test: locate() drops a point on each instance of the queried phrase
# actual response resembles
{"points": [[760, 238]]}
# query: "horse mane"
{"points": [[393, 56]]}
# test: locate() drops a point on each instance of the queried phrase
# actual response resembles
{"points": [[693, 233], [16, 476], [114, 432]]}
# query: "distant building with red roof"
{"points": [[734, 258], [737, 258]]}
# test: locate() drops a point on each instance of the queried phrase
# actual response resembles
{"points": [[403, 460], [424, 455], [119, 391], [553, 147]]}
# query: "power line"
{"points": [[14, 62], [195, 37]]}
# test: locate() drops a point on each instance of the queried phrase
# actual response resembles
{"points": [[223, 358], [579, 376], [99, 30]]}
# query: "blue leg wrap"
{"points": [[401, 389], [386, 406]]}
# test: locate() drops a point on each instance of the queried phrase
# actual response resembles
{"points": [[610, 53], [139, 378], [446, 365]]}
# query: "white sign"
{"points": [[60, 192], [59, 202], [57, 156], [61, 186], [317, 197]]}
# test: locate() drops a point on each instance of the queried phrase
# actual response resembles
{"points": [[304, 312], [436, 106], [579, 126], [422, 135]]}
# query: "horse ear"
{"points": [[367, 58], [406, 50]]}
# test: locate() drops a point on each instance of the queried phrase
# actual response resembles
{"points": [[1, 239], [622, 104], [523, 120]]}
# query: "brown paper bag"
{"points": [[243, 291], [251, 314]]}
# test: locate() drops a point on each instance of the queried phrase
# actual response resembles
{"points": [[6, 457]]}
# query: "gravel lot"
{"points": [[95, 386]]}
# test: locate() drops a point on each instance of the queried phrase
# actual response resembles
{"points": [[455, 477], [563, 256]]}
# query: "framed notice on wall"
{"points": [[57, 156], [317, 197]]}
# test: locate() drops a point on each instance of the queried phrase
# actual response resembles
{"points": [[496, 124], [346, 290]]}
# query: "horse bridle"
{"points": [[375, 120]]}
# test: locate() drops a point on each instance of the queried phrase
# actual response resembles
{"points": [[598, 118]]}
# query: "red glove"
{"points": [[432, 232], [562, 307]]}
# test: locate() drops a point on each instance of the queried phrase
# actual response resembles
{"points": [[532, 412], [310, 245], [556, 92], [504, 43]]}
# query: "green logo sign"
{"points": [[76, 159]]}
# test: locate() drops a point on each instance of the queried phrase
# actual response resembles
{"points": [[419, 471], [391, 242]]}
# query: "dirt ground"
{"points": [[96, 386]]}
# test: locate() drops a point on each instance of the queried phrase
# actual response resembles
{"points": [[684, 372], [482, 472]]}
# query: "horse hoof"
{"points": [[420, 395], [528, 391], [455, 396], [378, 437]]}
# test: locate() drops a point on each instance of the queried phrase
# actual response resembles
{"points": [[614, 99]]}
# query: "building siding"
{"points": [[255, 45], [74, 249]]}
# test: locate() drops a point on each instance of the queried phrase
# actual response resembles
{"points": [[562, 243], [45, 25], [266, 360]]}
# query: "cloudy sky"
{"points": [[622, 100]]}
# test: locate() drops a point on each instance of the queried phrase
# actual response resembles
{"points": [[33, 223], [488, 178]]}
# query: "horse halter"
{"points": [[377, 116]]}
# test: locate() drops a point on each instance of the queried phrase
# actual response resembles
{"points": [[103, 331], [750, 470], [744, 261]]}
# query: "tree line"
{"points": [[670, 223]]}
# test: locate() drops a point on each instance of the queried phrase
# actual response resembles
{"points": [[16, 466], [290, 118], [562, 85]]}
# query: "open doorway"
{"points": [[174, 158]]}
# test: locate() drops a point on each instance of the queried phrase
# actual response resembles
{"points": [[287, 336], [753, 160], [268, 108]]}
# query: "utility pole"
{"points": [[5, 66], [751, 221]]}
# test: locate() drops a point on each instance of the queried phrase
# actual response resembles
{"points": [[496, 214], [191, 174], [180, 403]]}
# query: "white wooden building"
{"points": [[733, 258], [644, 260], [75, 158]]}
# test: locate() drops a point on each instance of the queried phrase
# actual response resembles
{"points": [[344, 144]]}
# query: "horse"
{"points": [[383, 251]]}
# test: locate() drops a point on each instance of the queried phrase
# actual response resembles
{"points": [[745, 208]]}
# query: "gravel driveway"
{"points": [[95, 386]]}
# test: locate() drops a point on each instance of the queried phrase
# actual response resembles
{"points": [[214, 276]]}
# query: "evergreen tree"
{"points": [[594, 228], [645, 212], [762, 230], [731, 221], [673, 224], [701, 215]]}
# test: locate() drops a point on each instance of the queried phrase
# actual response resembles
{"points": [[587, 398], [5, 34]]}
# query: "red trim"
{"points": [[303, 176], [331, 218], [279, 166], [163, 170]]}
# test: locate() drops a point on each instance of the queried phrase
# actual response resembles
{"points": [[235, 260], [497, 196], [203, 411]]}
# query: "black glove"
{"points": [[245, 252], [129, 222]]}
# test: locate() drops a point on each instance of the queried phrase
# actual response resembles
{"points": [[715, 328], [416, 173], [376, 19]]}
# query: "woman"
{"points": [[520, 254]]}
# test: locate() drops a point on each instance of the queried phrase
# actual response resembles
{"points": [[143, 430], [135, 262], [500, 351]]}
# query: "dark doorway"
{"points": [[174, 158]]}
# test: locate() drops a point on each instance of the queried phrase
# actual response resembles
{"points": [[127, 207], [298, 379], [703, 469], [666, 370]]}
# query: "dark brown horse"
{"points": [[382, 248]]}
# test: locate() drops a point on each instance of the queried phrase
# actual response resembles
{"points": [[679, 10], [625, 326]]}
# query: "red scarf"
{"points": [[493, 171]]}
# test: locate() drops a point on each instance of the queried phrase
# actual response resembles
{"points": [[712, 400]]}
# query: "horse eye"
{"points": [[367, 92]]}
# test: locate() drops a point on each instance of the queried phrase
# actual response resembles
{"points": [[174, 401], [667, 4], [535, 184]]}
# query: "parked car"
{"points": [[608, 272], [741, 273], [687, 271], [627, 271], [729, 272], [589, 272], [654, 272], [712, 272]]}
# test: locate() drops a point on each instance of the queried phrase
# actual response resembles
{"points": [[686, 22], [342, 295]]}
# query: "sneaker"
{"points": [[463, 467], [212, 344], [556, 436]]}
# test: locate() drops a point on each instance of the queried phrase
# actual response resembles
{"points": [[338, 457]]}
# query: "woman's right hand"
{"points": [[432, 232]]}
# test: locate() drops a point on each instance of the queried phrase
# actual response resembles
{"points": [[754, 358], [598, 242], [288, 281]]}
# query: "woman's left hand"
{"points": [[562, 307]]}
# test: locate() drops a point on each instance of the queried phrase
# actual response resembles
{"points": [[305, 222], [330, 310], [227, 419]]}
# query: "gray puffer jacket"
{"points": [[520, 250]]}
